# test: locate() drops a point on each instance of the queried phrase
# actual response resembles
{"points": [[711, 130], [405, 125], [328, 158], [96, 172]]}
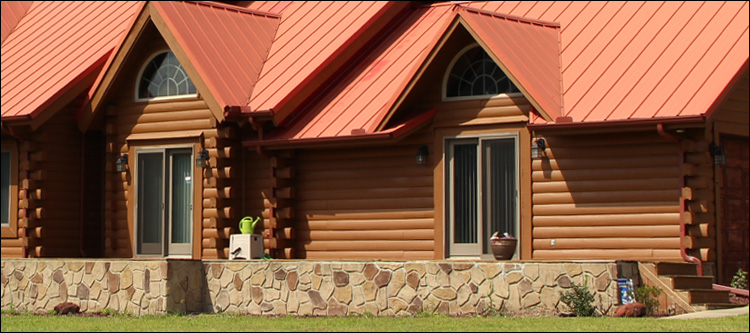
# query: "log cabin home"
{"points": [[377, 130]]}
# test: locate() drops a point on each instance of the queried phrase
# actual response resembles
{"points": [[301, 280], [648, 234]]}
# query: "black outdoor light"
{"points": [[422, 155], [122, 163], [201, 160], [537, 149], [718, 153]]}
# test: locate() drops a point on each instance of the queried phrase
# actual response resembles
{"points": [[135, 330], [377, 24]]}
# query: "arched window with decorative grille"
{"points": [[473, 73], [163, 77]]}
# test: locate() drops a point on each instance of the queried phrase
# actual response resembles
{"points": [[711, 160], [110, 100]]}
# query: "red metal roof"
{"points": [[53, 46], [638, 60], [227, 45], [11, 13], [529, 50], [359, 101], [310, 34]]}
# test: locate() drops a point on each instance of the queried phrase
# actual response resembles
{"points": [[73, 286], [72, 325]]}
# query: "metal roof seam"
{"points": [[510, 17], [589, 41], [652, 63], [619, 77], [590, 85], [674, 63], [707, 49], [236, 8]]}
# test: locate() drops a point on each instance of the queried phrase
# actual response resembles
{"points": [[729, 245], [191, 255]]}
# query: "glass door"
{"points": [[163, 206], [481, 193]]}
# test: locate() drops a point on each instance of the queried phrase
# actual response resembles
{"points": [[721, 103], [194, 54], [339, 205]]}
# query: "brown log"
{"points": [[606, 174], [606, 220], [223, 152], [605, 196], [367, 255], [617, 151], [211, 253], [214, 243], [608, 254], [221, 193], [161, 117], [639, 231], [515, 120], [360, 204], [210, 202], [701, 230], [699, 182], [139, 107], [28, 184], [370, 245], [348, 184], [225, 172], [619, 208], [485, 112], [604, 163], [374, 214], [287, 172], [12, 242], [384, 172], [284, 192], [224, 213], [284, 213], [700, 206], [368, 193], [694, 146], [217, 182], [11, 252], [694, 242], [346, 235], [221, 233], [227, 132], [697, 194], [368, 224], [177, 125], [608, 243]]}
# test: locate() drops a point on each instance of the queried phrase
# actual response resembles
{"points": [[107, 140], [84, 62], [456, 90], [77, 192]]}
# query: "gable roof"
{"points": [[222, 48], [11, 13], [642, 60], [42, 58]]}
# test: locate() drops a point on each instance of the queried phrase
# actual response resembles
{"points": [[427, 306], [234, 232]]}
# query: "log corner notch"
{"points": [[279, 235], [688, 202]]}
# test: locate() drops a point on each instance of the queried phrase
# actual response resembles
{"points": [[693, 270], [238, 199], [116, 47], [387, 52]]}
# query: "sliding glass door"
{"points": [[163, 204], [481, 192]]}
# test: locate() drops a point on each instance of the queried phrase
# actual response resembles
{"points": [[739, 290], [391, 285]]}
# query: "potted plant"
{"points": [[503, 247]]}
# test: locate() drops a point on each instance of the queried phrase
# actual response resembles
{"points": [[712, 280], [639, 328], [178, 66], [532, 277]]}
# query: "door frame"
{"points": [[196, 189], [446, 183]]}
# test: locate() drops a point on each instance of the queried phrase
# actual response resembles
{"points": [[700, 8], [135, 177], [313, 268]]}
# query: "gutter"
{"points": [[683, 231], [566, 123]]}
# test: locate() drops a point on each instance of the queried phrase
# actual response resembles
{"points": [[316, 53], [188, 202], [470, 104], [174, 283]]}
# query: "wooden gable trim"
{"points": [[511, 76], [114, 67]]}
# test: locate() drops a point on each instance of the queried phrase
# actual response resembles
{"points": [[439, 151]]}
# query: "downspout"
{"points": [[683, 231]]}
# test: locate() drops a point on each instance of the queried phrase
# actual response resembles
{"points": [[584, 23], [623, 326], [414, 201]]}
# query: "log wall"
{"points": [[617, 196], [49, 212], [184, 122], [364, 203], [11, 245]]}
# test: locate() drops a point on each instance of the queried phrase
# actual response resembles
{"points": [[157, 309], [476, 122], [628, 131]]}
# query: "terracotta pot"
{"points": [[503, 248]]}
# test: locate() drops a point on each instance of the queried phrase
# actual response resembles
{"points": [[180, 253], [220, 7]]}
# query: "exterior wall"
{"points": [[303, 288], [617, 196], [365, 203]]}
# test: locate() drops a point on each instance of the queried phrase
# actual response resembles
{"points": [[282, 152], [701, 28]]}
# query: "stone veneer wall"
{"points": [[270, 287]]}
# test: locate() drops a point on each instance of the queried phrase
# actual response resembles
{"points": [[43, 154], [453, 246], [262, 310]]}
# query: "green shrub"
{"points": [[739, 280], [648, 296], [580, 300]]}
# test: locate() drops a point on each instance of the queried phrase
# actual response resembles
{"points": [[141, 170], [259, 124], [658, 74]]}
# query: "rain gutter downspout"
{"points": [[683, 231]]}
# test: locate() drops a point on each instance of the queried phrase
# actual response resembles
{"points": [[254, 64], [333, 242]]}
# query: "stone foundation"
{"points": [[273, 287]]}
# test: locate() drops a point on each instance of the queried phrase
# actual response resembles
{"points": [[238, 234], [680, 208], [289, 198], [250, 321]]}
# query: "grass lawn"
{"points": [[422, 323]]}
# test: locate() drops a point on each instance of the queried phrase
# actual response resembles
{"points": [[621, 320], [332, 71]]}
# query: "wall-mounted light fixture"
{"points": [[718, 154], [201, 160], [537, 149], [122, 163], [422, 155]]}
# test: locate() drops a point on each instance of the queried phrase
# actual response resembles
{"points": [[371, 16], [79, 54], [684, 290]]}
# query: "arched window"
{"points": [[163, 76], [474, 73]]}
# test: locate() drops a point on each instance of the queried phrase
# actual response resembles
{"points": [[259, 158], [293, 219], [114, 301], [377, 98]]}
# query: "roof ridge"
{"points": [[236, 8], [508, 16]]}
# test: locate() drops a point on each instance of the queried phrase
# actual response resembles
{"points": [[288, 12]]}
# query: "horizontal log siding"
{"points": [[607, 197], [364, 203], [52, 203], [176, 118]]}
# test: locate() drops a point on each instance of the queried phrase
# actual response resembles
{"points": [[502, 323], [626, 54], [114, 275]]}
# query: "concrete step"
{"points": [[715, 306], [689, 282], [705, 296], [676, 268]]}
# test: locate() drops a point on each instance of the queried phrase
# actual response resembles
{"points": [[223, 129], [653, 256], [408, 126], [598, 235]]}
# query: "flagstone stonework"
{"points": [[277, 287]]}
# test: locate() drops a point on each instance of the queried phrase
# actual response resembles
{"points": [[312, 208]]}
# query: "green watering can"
{"points": [[247, 224]]}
